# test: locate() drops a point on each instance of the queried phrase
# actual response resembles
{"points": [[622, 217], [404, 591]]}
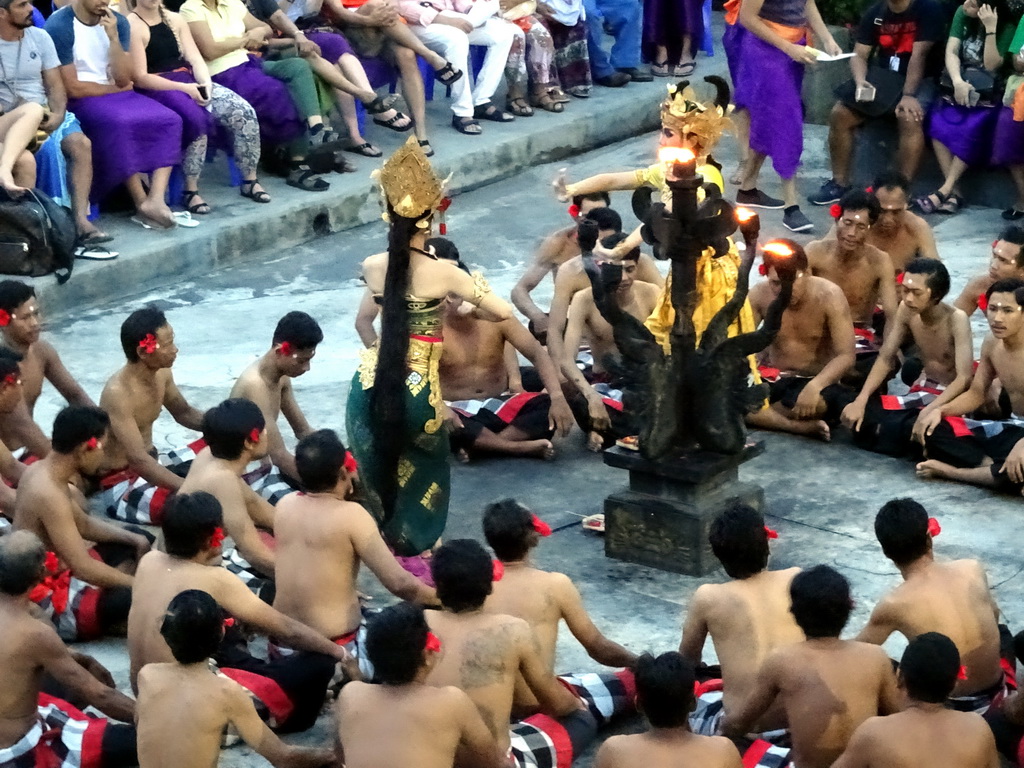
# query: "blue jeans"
{"points": [[624, 17]]}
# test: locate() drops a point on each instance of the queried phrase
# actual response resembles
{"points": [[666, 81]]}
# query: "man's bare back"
{"points": [[864, 277], [747, 619], [667, 749], [252, 386]]}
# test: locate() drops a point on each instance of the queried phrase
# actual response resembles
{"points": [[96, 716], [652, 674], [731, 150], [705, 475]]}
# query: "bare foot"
{"points": [[816, 429], [595, 442], [461, 456], [542, 449], [7, 182], [156, 215], [933, 469]]}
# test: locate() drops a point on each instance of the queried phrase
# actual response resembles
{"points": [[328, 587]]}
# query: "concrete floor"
{"points": [[822, 499]]}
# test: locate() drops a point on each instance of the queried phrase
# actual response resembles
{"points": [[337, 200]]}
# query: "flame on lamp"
{"points": [[778, 249], [743, 215], [676, 155]]}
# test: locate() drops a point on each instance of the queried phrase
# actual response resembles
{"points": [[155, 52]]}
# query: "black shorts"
{"points": [[787, 389]]}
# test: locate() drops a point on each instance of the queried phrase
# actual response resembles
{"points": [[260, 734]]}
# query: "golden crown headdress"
{"points": [[683, 111], [408, 182]]}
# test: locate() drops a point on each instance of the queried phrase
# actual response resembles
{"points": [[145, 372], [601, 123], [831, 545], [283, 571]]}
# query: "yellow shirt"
{"points": [[227, 20]]}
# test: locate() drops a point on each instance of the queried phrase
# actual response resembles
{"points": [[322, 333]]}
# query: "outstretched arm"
{"points": [[599, 648]]}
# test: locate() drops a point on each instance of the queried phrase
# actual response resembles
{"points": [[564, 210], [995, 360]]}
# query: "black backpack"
{"points": [[37, 236]]}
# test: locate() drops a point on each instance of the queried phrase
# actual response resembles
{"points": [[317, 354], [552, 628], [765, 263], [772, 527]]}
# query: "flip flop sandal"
{"points": [[548, 103], [94, 253], [327, 139], [952, 205], [660, 69], [95, 238], [927, 206], [366, 149], [257, 196], [466, 125], [559, 96], [447, 74], [381, 104], [580, 91], [685, 69], [184, 219], [487, 111], [199, 209], [1012, 214], [151, 224], [519, 107], [301, 176], [390, 123], [427, 149]]}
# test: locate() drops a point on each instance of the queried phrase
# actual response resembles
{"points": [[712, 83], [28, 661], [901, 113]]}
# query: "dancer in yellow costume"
{"points": [[686, 123]]}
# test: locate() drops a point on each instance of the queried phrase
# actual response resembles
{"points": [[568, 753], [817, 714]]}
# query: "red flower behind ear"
{"points": [[5, 318], [899, 278], [983, 302], [51, 563], [229, 622], [995, 243], [541, 527], [498, 571], [92, 444], [149, 343], [870, 190], [770, 533], [12, 379], [962, 674], [934, 529], [286, 348], [836, 210], [574, 211], [433, 643], [254, 436], [350, 463], [762, 269], [217, 537]]}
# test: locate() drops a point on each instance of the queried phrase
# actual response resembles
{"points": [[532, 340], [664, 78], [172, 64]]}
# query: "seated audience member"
{"points": [[174, 735], [927, 732], [484, 653], [282, 92], [747, 618], [322, 537], [36, 78], [554, 250], [950, 597], [235, 433], [1008, 141], [962, 128], [826, 686], [39, 729], [482, 384], [168, 68], [11, 400], [92, 42], [862, 271], [982, 451], [664, 693], [331, 58], [135, 483], [812, 351], [1006, 263], [88, 591], [940, 370], [893, 39], [288, 692], [449, 27], [267, 382], [594, 397], [20, 331], [436, 723], [545, 599]]}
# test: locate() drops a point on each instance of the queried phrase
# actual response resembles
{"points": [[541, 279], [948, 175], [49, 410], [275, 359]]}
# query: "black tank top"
{"points": [[162, 52]]}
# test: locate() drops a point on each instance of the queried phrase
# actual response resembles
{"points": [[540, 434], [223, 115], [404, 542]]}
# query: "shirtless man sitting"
{"points": [[901, 234], [635, 298], [267, 382], [927, 733], [747, 618], [664, 693], [1006, 263], [135, 484], [950, 597], [544, 599], [484, 652], [322, 537], [235, 433], [289, 691], [96, 599], [862, 271], [554, 250], [481, 382], [30, 649], [19, 330], [940, 371], [11, 399], [812, 351], [980, 451], [826, 686], [184, 706], [436, 723]]}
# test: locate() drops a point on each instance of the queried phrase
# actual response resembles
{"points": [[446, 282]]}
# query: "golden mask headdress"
{"points": [[408, 182], [683, 112]]}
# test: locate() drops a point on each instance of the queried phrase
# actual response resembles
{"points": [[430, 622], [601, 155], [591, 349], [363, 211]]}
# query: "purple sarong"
{"points": [[768, 87], [1008, 141], [732, 40], [332, 45], [130, 134], [965, 131], [196, 121], [665, 24], [279, 120]]}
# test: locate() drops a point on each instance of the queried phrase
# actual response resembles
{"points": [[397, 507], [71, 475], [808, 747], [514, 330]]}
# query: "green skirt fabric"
{"points": [[424, 475]]}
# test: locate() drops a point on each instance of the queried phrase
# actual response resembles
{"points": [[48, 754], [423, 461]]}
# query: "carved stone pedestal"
{"points": [[663, 517]]}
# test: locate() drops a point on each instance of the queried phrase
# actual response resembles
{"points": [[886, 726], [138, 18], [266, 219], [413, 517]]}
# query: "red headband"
{"points": [[934, 529], [5, 318], [350, 465], [286, 348], [254, 436], [149, 343], [497, 571], [433, 643], [217, 537], [541, 527], [770, 533]]}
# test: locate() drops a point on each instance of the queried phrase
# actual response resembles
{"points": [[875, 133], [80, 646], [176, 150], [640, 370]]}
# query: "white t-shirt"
{"points": [[22, 64], [92, 53]]}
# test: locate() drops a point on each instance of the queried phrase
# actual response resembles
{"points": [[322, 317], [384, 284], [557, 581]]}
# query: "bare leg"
{"points": [[753, 169], [403, 36], [686, 57], [789, 191], [661, 55], [25, 170], [353, 70], [911, 147], [496, 442], [151, 208], [17, 130], [773, 418], [957, 168], [974, 475], [412, 88], [1017, 174], [943, 156], [841, 133], [77, 150], [741, 122]]}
